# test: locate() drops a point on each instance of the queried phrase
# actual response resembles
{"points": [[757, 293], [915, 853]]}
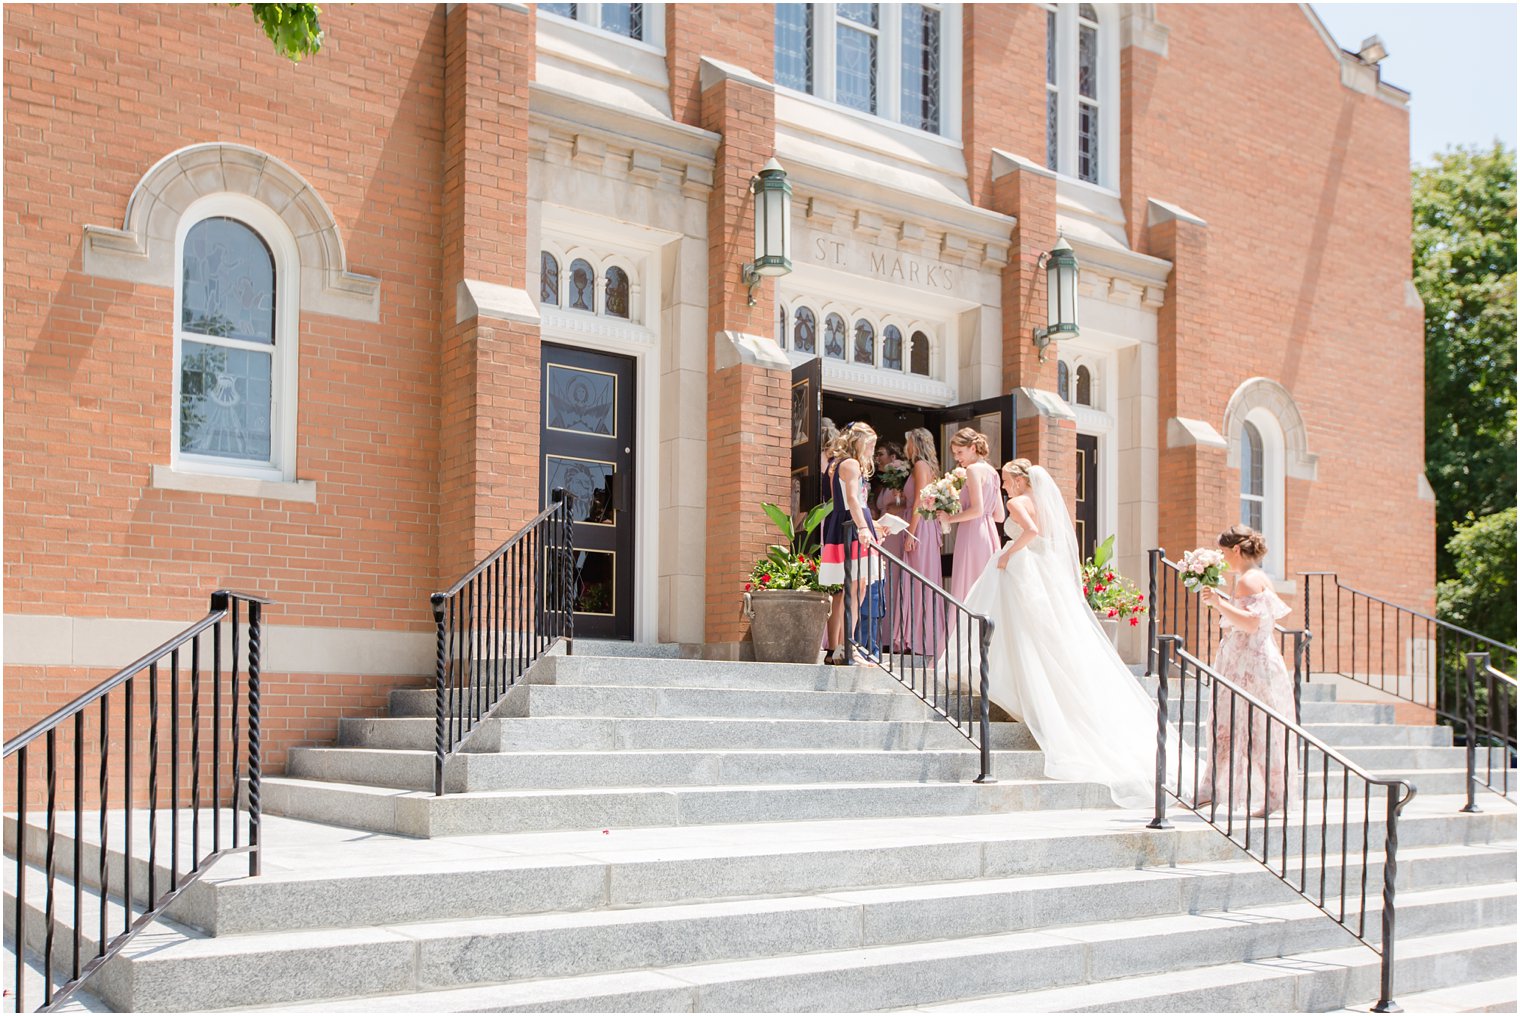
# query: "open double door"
{"points": [[995, 417]]}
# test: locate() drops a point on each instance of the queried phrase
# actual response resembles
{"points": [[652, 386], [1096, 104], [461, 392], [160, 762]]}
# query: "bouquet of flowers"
{"points": [[894, 475], [1108, 593], [1202, 568], [943, 495]]}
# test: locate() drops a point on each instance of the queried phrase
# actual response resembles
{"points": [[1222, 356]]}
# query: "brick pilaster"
{"points": [[489, 383]]}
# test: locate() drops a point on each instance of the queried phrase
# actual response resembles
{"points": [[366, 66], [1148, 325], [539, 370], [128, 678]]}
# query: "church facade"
{"points": [[331, 332]]}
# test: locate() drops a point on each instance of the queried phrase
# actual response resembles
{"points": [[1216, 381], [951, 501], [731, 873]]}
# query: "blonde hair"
{"points": [[1018, 467], [851, 443], [968, 437], [827, 432], [1251, 543], [918, 445]]}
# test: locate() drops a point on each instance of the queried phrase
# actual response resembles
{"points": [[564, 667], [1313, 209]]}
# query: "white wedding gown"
{"points": [[1052, 666]]}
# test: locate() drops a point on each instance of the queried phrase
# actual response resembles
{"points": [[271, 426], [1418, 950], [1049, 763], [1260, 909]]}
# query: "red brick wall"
{"points": [[742, 35]]}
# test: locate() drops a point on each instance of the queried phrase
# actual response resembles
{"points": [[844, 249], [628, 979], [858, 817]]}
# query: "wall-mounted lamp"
{"points": [[1060, 264], [773, 227]]}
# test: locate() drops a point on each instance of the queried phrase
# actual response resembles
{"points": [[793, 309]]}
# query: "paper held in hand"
{"points": [[890, 525]]}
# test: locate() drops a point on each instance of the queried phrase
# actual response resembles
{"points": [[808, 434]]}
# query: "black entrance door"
{"points": [[587, 446], [807, 402], [1087, 494]]}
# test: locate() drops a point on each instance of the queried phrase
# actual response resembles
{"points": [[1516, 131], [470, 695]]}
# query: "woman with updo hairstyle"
{"points": [[1249, 657], [847, 479], [920, 625], [976, 535]]}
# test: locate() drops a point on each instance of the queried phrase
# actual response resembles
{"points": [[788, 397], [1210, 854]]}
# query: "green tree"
{"points": [[1482, 596], [1464, 269], [293, 28]]}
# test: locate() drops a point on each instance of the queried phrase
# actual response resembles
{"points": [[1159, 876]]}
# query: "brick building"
{"points": [[331, 331]]}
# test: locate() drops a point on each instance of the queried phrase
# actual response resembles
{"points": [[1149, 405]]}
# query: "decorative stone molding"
{"points": [[1182, 433], [1356, 74], [474, 298], [166, 478], [1138, 27], [1157, 212], [1266, 394], [1031, 402], [1004, 163], [558, 320], [730, 349], [142, 251], [714, 71]]}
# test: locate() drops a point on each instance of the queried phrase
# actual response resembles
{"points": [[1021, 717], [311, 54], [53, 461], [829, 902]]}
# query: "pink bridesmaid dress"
{"points": [[976, 540], [884, 506], [919, 625]]}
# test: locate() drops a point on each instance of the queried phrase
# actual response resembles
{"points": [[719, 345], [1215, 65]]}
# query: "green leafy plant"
{"points": [[293, 28], [1109, 594], [793, 564]]}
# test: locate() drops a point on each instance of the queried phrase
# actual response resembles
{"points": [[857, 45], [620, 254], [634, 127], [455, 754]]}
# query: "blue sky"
{"points": [[1457, 60]]}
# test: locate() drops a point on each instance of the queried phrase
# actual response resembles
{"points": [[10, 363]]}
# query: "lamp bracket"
{"points": [[1042, 341], [750, 278]]}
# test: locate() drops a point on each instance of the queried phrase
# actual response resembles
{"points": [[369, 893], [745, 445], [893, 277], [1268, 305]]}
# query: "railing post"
{"points": [[1155, 554], [1298, 677], [567, 543], [255, 747], [849, 625], [986, 710], [440, 696], [1472, 729], [1390, 873], [1163, 673]]}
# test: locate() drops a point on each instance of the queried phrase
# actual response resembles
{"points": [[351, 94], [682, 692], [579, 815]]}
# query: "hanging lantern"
{"points": [[773, 226], [1061, 296]]}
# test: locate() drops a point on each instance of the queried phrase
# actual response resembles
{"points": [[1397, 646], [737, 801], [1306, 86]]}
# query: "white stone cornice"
{"points": [[711, 72], [1356, 73], [1157, 212], [474, 298], [1182, 432], [1138, 27], [1119, 275]]}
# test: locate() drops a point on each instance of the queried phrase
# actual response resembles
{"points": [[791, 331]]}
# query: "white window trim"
{"points": [[889, 67], [1066, 98], [286, 350], [589, 19], [1274, 504]]}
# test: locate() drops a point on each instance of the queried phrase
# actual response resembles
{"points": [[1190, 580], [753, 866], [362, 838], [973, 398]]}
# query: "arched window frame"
{"points": [[1285, 450], [1273, 492], [1066, 21], [600, 264], [284, 352], [1063, 380]]}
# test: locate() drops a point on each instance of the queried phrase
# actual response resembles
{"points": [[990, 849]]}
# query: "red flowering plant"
{"points": [[794, 564], [1110, 595]]}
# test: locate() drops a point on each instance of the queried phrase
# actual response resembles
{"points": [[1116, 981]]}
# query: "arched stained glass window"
{"points": [[891, 348], [1252, 477], [834, 332], [582, 286], [1084, 387], [548, 280], [805, 335], [781, 326], [228, 282], [865, 342], [1063, 380], [617, 292], [919, 355]]}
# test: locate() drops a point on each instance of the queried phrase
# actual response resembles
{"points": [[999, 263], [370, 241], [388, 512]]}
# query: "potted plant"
{"points": [[788, 609], [1113, 599]]}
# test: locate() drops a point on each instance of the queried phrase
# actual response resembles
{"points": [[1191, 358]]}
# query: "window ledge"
{"points": [[166, 478]]}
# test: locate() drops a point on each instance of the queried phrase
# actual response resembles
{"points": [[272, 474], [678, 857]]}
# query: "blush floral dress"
{"points": [[1249, 657]]}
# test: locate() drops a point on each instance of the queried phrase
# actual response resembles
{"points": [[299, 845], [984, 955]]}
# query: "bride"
{"points": [[1050, 663]]}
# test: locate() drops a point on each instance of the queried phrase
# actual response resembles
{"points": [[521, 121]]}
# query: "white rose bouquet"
{"points": [[943, 495], [1203, 568]]}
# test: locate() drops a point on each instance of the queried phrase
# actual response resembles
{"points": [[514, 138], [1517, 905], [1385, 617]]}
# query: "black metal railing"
{"points": [[1490, 711], [1177, 610], [1239, 762], [1402, 652], [79, 744], [931, 642], [493, 623]]}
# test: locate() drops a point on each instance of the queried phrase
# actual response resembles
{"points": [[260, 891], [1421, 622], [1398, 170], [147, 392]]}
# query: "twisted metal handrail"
{"points": [[501, 616], [949, 640], [1299, 752], [226, 606], [1491, 726]]}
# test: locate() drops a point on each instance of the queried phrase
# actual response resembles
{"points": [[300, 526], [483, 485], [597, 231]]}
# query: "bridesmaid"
{"points": [[847, 478], [920, 626], [976, 539], [1249, 657], [889, 501]]}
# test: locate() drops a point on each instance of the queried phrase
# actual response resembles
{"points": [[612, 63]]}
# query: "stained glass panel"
{"points": [[919, 355], [1251, 466], [920, 67], [582, 286], [590, 480], [781, 326], [1088, 12], [1084, 386], [624, 19], [617, 292], [1052, 125], [865, 342], [794, 46], [855, 84], [891, 348], [1050, 47], [548, 280], [1251, 512], [861, 14], [805, 336], [1087, 142], [563, 10], [1063, 380], [228, 286], [1087, 62], [581, 401], [834, 330], [225, 401]]}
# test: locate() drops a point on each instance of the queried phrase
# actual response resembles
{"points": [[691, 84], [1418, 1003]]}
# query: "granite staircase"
{"points": [[657, 834]]}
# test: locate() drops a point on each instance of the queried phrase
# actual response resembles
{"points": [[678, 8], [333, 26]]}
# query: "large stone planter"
{"points": [[1110, 626], [788, 624]]}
